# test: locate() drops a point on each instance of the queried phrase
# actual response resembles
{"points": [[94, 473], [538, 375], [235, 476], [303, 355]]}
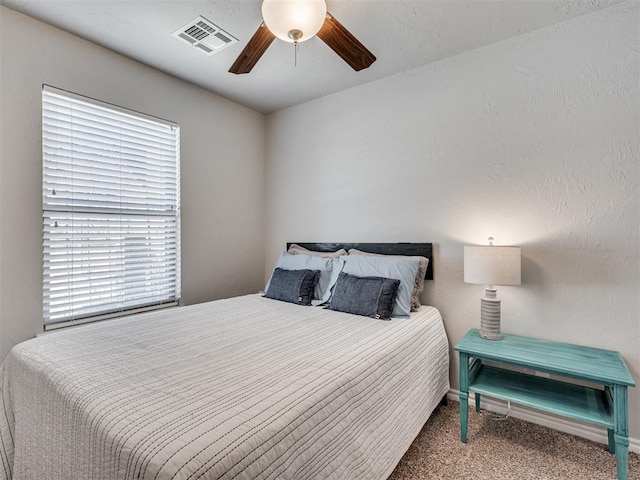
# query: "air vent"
{"points": [[205, 36]]}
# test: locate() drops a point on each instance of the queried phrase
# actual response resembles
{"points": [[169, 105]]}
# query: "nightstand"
{"points": [[606, 407]]}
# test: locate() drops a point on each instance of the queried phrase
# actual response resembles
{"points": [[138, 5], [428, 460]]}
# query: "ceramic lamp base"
{"points": [[490, 316]]}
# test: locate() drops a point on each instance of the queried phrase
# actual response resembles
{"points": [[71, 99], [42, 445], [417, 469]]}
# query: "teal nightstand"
{"points": [[607, 408]]}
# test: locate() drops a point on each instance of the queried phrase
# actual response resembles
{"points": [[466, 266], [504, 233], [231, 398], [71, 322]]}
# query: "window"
{"points": [[111, 209]]}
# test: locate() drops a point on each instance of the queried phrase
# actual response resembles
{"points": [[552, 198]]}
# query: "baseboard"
{"points": [[546, 420]]}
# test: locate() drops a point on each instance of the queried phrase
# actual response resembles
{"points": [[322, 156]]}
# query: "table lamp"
{"points": [[491, 265]]}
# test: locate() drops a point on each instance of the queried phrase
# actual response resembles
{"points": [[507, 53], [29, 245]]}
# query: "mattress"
{"points": [[242, 388]]}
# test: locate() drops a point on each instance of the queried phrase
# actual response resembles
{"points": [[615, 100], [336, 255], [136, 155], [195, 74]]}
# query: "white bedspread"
{"points": [[244, 388]]}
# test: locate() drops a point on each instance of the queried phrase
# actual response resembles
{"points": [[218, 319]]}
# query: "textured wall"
{"points": [[222, 168], [533, 140]]}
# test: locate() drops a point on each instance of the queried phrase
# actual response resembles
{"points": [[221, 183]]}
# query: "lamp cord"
{"points": [[500, 418]]}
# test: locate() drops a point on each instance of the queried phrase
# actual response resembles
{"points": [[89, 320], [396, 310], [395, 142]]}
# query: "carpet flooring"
{"points": [[509, 449]]}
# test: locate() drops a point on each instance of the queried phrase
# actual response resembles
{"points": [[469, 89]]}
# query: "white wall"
{"points": [[222, 167], [533, 140]]}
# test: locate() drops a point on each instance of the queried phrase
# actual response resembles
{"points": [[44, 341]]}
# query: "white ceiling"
{"points": [[402, 34]]}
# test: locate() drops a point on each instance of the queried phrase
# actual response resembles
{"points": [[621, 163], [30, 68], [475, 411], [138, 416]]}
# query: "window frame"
{"points": [[163, 219]]}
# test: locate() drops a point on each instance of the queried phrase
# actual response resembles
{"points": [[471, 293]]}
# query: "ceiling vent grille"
{"points": [[205, 36]]}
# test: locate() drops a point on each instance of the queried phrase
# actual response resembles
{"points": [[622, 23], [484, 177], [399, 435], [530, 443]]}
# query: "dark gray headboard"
{"points": [[410, 249]]}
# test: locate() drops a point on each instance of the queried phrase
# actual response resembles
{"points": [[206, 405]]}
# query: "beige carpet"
{"points": [[510, 449]]}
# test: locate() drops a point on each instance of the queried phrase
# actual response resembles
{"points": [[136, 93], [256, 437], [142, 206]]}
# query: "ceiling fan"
{"points": [[295, 21]]}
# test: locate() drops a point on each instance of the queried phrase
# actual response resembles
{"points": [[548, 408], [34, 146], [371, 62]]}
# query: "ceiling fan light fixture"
{"points": [[294, 20]]}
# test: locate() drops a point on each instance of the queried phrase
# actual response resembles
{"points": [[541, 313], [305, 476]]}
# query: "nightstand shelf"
{"points": [[605, 407], [560, 398]]}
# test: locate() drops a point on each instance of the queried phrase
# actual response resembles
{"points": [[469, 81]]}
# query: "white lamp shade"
{"points": [[492, 265], [283, 16]]}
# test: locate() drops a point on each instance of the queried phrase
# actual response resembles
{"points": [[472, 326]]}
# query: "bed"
{"points": [[242, 388]]}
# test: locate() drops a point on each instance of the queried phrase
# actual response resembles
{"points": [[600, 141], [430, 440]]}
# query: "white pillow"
{"points": [[418, 285], [403, 269], [329, 270], [296, 249]]}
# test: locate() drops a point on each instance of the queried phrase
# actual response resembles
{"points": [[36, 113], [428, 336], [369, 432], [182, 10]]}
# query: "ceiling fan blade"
{"points": [[345, 44], [253, 51]]}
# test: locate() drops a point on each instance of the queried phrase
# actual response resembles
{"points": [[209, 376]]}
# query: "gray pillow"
{"points": [[293, 286], [295, 249], [418, 285], [329, 269], [399, 268], [369, 296]]}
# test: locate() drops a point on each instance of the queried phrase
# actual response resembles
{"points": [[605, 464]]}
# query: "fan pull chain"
{"points": [[295, 35]]}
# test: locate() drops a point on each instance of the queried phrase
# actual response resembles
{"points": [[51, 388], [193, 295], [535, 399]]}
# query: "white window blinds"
{"points": [[111, 208]]}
